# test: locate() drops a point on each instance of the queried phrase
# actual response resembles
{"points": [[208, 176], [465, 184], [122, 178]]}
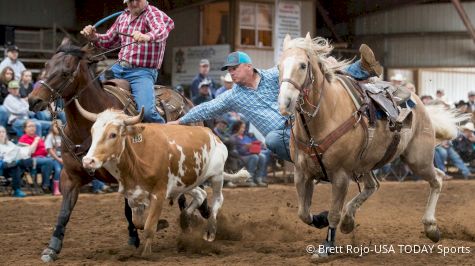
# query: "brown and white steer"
{"points": [[154, 162]]}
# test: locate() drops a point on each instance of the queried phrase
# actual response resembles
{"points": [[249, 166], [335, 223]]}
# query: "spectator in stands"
{"points": [[6, 75], [444, 152], [227, 84], [18, 109], [203, 93], [233, 162], [202, 75], [464, 143], [53, 147], [12, 156], [250, 151], [426, 99], [398, 79], [26, 84], [441, 99], [40, 155], [12, 61], [99, 187]]}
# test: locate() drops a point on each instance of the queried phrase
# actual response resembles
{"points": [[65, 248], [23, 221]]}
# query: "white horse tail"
{"points": [[241, 176], [446, 121]]}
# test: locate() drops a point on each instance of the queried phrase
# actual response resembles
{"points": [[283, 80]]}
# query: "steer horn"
{"points": [[134, 119], [86, 114]]}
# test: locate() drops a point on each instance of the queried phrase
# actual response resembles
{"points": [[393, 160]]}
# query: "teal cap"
{"points": [[236, 58]]}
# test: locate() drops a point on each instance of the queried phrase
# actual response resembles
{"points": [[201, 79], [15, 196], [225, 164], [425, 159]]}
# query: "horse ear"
{"points": [[286, 42], [308, 38]]}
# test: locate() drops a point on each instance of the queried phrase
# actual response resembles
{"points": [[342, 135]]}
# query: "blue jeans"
{"points": [[97, 185], [442, 154], [4, 114], [278, 142], [256, 165], [57, 166], [45, 165], [42, 127], [141, 85], [356, 71]]}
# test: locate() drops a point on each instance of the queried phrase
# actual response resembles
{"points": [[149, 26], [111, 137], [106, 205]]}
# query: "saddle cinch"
{"points": [[170, 104]]}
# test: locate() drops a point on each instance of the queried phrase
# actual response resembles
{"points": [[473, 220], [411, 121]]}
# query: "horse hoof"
{"points": [[318, 256], [49, 255], [134, 241], [320, 220], [347, 225], [434, 235], [162, 224]]}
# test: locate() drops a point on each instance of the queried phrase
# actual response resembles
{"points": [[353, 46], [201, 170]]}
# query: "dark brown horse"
{"points": [[70, 75]]}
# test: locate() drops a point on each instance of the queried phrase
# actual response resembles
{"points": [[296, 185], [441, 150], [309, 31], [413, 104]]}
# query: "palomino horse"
{"points": [[309, 86], [69, 76]]}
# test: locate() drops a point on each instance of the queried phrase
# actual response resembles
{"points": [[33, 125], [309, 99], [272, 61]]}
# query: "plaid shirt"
{"points": [[152, 22], [259, 106]]}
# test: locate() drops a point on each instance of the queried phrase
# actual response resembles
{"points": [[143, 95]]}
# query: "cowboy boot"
{"points": [[368, 61], [56, 188]]}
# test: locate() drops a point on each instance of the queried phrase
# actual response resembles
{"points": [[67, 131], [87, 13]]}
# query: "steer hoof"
{"points": [[49, 255]]}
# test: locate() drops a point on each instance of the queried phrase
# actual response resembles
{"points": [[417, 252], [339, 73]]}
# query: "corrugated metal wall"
{"points": [[387, 32], [456, 84], [38, 13]]}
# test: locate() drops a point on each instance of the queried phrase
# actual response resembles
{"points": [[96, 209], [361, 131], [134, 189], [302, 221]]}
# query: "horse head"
{"points": [[304, 66], [65, 72]]}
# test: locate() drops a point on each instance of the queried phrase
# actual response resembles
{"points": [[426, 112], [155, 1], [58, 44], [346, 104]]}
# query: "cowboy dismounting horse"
{"points": [[335, 135], [69, 76]]}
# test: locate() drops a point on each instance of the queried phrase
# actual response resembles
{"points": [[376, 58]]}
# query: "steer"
{"points": [[154, 162]]}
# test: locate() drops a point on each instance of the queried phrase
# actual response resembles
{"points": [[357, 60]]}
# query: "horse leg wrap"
{"points": [[320, 220], [204, 209], [55, 244]]}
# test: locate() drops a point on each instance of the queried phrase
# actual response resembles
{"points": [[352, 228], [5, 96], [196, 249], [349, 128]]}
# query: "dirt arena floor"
{"points": [[257, 226]]}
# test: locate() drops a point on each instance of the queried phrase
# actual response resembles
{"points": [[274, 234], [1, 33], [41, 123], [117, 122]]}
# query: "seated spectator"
{"points": [[12, 156], [53, 146], [444, 152], [39, 155], [464, 143], [26, 84], [250, 151], [203, 93], [233, 162], [227, 84], [18, 109], [6, 76]]}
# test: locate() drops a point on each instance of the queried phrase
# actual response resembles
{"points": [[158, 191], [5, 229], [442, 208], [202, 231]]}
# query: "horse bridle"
{"points": [[57, 94], [304, 90]]}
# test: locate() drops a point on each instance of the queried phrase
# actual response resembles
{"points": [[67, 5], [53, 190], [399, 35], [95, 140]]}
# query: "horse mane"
{"points": [[320, 48]]}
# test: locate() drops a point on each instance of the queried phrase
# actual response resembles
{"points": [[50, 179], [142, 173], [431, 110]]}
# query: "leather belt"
{"points": [[126, 64]]}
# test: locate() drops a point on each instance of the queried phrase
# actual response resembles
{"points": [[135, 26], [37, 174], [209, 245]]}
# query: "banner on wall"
{"points": [[186, 62], [287, 21]]}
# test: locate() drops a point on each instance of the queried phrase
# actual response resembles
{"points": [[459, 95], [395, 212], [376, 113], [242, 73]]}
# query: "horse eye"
{"points": [[112, 135], [303, 66]]}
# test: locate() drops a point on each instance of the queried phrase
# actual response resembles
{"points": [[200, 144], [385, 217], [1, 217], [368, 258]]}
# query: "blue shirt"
{"points": [[259, 106]]}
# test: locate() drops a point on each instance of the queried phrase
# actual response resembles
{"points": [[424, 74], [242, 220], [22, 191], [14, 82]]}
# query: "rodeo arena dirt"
{"points": [[252, 132], [256, 226]]}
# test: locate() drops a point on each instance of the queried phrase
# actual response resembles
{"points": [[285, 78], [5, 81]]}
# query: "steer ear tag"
{"points": [[137, 138]]}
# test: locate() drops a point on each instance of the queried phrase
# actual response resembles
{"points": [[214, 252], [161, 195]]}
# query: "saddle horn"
{"points": [[86, 114], [135, 119]]}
